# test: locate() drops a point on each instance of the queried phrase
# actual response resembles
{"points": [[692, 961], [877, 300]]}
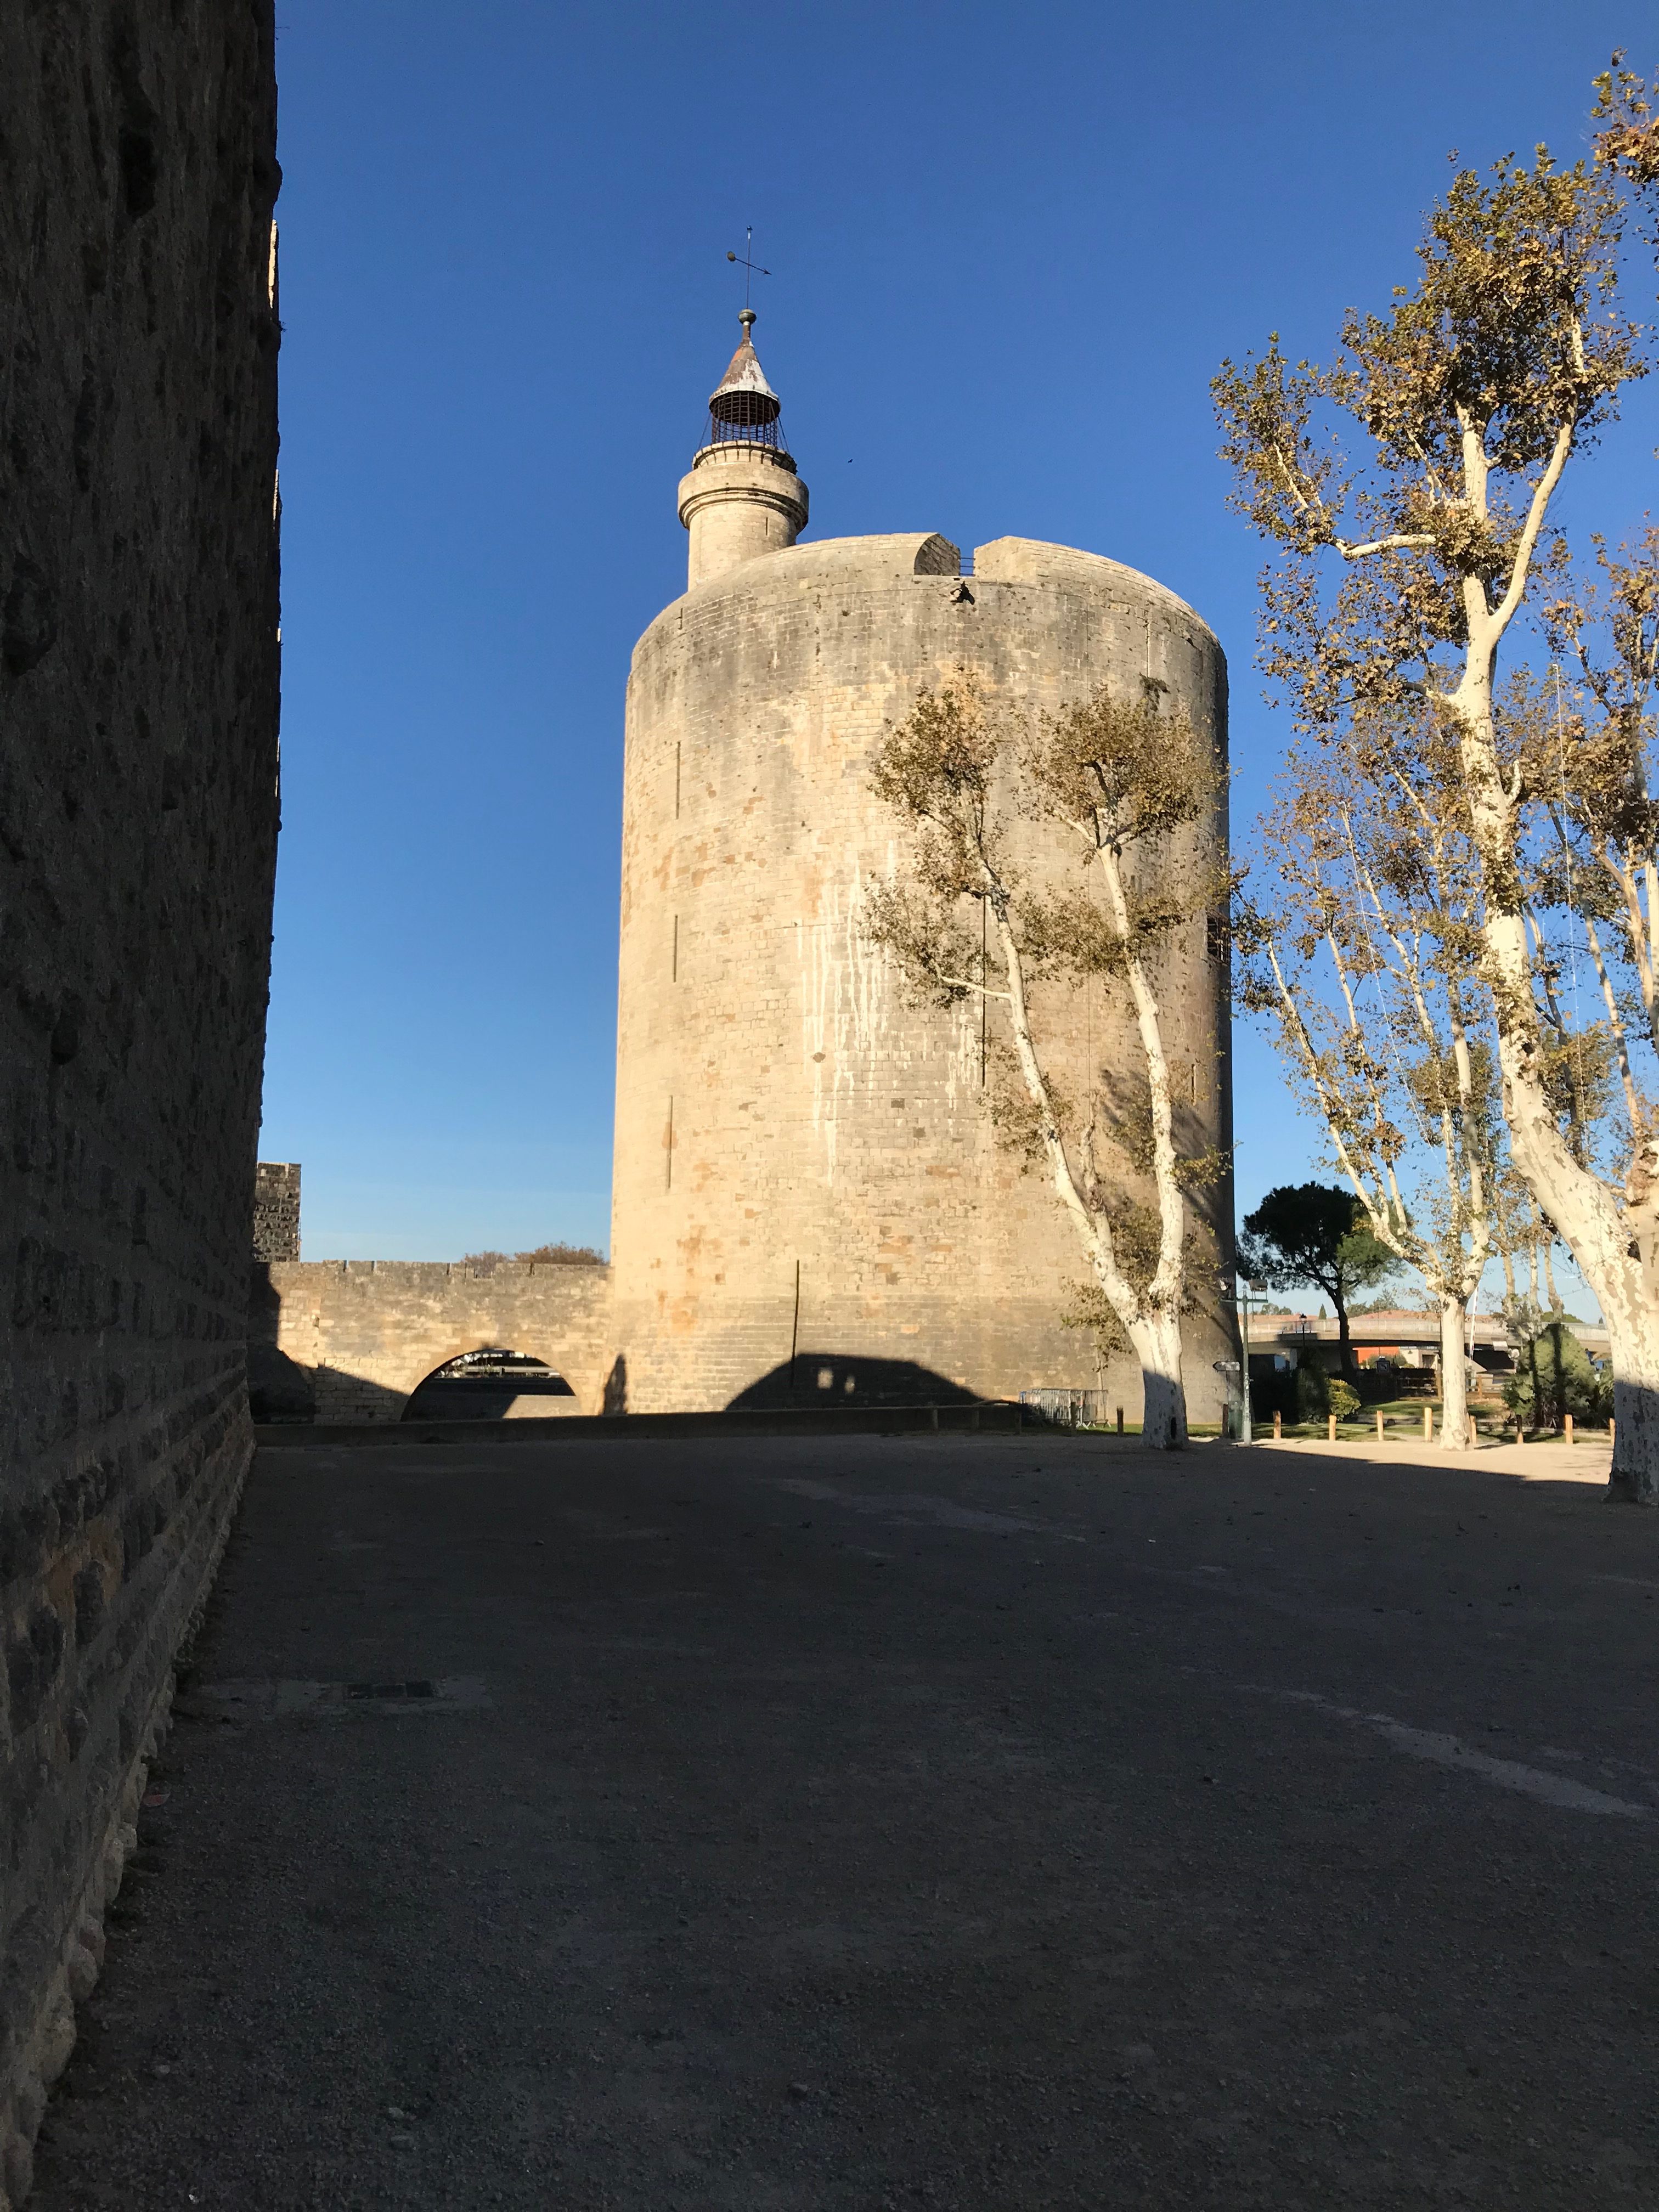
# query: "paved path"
{"points": [[988, 1824]]}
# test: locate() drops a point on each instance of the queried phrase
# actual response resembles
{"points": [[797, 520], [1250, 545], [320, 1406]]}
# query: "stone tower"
{"points": [[810, 1201]]}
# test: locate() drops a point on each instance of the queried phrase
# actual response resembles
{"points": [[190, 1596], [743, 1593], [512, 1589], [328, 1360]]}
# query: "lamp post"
{"points": [[1248, 1290], [1230, 1368]]}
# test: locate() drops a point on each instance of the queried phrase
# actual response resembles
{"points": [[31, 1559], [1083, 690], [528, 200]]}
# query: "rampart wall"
{"points": [[364, 1332], [138, 710]]}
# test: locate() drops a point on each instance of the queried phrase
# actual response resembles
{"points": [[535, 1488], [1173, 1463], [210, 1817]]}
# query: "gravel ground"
{"points": [[978, 1822]]}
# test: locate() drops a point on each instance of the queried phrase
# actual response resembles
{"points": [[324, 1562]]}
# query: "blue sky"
{"points": [[1010, 246]]}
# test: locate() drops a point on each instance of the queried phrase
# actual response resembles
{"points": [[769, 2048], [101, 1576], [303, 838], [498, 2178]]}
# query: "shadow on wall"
{"points": [[281, 1392], [278, 1388], [281, 1389], [824, 1379]]}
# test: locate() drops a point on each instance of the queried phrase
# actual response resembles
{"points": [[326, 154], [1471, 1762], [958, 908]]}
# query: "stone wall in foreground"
{"points": [[138, 710]]}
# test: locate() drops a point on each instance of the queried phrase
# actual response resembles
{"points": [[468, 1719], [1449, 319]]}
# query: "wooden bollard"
{"points": [[1570, 1437], [1119, 1421], [1330, 1428], [1279, 1427], [1428, 1424], [1379, 1424]]}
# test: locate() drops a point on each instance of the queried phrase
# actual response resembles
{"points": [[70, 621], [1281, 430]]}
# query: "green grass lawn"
{"points": [[1402, 1421]]}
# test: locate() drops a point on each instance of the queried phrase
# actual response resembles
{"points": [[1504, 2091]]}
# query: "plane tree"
{"points": [[1362, 952], [1317, 1234], [1099, 796], [1408, 486]]}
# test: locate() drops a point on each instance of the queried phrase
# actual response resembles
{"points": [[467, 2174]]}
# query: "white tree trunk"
{"points": [[1157, 1341], [1616, 1251], [1616, 1247], [1155, 1335], [1633, 1341], [1455, 1432]]}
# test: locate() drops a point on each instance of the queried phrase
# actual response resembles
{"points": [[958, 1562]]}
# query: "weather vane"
{"points": [[750, 268]]}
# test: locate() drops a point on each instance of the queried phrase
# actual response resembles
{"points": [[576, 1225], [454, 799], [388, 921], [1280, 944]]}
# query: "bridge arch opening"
{"points": [[492, 1382]]}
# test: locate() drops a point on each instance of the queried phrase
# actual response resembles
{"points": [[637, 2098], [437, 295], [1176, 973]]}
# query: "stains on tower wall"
{"points": [[139, 707]]}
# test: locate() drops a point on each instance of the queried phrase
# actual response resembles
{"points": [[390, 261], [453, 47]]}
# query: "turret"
{"points": [[742, 496]]}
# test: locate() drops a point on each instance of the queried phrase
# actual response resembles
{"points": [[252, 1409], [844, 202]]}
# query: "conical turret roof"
{"points": [[743, 396]]}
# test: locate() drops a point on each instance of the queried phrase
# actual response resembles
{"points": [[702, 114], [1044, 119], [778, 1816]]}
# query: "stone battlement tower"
{"points": [[810, 1201]]}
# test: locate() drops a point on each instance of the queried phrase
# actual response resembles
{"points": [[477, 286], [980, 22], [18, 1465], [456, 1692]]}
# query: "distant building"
{"points": [[1396, 1338]]}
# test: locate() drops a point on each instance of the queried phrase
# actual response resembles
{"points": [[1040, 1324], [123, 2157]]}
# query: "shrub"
{"points": [[1300, 1393], [545, 1256], [1341, 1398], [1312, 1390], [1553, 1377]]}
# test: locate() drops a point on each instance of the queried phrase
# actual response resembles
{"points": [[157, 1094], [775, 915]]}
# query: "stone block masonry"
{"points": [[276, 1210], [808, 1180], [365, 1333], [138, 711]]}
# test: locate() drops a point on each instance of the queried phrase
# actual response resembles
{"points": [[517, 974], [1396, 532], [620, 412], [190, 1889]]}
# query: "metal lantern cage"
{"points": [[746, 413], [748, 418]]}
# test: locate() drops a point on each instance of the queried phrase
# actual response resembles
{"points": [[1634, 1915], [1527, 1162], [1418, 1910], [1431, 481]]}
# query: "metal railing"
{"points": [[1073, 1409]]}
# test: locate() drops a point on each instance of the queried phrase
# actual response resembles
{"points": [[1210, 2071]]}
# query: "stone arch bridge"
{"points": [[366, 1332]]}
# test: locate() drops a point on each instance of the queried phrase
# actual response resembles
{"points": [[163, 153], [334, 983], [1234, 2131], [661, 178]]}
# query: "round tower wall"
{"points": [[811, 1202], [738, 503]]}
